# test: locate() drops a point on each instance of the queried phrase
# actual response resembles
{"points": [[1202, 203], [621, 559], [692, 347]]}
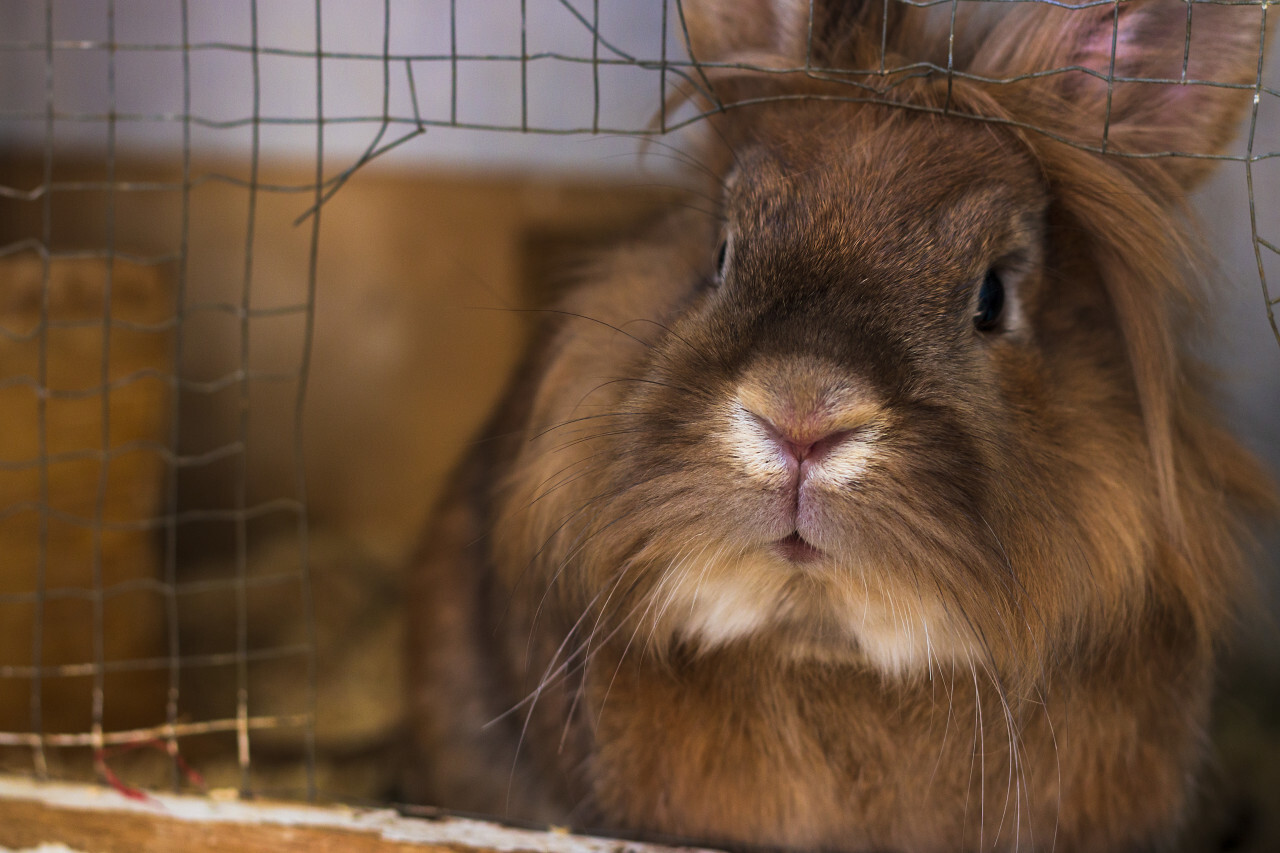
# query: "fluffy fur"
{"points": [[976, 604]]}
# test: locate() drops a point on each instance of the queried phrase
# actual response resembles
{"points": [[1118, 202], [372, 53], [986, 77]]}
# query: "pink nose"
{"points": [[802, 445]]}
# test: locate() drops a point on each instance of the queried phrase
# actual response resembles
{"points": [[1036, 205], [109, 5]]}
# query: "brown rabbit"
{"points": [[883, 510]]}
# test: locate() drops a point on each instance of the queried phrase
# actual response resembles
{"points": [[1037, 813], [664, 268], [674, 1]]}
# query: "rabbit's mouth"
{"points": [[795, 549]]}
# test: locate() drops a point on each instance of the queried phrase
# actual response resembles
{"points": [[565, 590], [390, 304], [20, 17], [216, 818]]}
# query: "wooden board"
{"points": [[87, 819]]}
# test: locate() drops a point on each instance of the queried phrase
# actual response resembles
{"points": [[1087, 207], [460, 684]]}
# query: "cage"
{"points": [[264, 266]]}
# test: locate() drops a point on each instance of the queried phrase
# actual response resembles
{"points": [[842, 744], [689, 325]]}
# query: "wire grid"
{"points": [[419, 91], [174, 519]]}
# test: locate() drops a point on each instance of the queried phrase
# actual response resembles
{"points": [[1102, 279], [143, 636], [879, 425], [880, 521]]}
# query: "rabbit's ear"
{"points": [[730, 37], [1145, 77], [729, 30]]}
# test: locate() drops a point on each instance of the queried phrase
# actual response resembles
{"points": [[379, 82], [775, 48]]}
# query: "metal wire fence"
{"points": [[118, 119]]}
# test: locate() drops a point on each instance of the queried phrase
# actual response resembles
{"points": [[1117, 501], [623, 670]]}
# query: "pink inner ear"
{"points": [[1152, 41], [1148, 42], [1097, 49]]}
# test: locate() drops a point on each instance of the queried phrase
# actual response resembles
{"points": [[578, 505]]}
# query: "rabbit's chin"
{"points": [[812, 609]]}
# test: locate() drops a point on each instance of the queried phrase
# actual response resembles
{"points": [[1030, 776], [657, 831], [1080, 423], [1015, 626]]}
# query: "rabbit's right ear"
{"points": [[1146, 77]]}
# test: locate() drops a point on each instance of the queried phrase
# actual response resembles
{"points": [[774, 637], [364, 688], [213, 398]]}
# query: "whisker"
{"points": [[577, 420], [981, 746], [575, 442], [586, 646], [564, 313], [532, 699], [642, 380], [682, 155], [552, 671], [650, 598], [546, 542], [665, 328], [546, 488]]}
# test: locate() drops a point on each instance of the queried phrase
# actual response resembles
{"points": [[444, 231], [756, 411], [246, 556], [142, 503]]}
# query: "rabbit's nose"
{"points": [[799, 420], [801, 444]]}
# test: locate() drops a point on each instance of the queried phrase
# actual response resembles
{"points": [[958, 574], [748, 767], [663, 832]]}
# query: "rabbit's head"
{"points": [[914, 395]]}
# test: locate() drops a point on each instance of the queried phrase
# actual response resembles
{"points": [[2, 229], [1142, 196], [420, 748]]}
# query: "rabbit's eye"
{"points": [[990, 303], [722, 258]]}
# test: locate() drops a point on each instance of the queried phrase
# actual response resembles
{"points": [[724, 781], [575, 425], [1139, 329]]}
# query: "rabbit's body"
{"points": [[898, 522]]}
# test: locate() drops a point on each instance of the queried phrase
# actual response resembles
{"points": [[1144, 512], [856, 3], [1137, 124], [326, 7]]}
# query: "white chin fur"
{"points": [[711, 605]]}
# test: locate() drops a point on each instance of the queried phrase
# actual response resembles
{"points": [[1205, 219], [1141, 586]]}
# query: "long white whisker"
{"points": [[981, 744]]}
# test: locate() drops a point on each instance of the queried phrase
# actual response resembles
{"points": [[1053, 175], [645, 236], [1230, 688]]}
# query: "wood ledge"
{"points": [[88, 819]]}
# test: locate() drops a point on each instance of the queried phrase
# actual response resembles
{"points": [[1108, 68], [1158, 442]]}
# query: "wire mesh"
{"points": [[98, 93]]}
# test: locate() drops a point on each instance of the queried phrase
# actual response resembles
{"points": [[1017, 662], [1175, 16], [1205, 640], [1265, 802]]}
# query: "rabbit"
{"points": [[882, 507]]}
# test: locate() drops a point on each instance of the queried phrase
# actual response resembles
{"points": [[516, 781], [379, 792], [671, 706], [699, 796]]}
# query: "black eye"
{"points": [[722, 257], [990, 303]]}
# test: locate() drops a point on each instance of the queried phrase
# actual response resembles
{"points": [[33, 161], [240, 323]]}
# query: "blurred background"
{"points": [[168, 159], [307, 225]]}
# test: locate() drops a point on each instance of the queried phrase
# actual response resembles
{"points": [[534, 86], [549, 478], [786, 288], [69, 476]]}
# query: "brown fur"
{"points": [[1009, 642]]}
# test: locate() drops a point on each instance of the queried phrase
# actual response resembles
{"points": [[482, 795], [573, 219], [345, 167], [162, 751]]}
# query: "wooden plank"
{"points": [[87, 819]]}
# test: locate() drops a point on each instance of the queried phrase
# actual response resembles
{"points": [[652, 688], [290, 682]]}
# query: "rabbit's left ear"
{"points": [[732, 30], [728, 37], [1146, 77]]}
